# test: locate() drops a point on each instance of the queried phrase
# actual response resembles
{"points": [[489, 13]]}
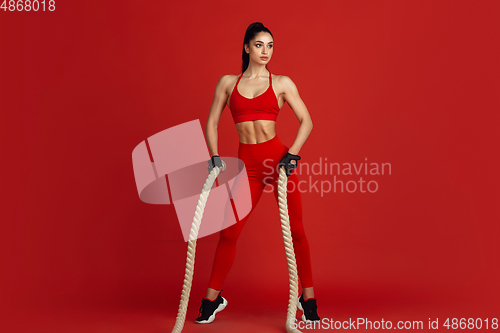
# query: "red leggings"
{"points": [[258, 159]]}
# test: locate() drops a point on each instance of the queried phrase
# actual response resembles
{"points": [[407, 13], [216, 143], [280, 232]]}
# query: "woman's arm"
{"points": [[218, 104], [299, 108]]}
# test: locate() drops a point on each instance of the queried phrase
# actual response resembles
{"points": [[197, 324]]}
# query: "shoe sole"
{"points": [[304, 319], [210, 319]]}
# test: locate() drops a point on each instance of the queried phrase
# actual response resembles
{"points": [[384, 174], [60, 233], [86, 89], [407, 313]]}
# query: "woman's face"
{"points": [[260, 49]]}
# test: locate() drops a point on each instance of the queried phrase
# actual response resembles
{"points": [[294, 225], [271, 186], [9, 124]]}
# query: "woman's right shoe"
{"points": [[309, 308], [209, 308]]}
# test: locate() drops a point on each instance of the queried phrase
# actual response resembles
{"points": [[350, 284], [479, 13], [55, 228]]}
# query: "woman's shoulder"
{"points": [[283, 81], [229, 76], [228, 79], [279, 77]]}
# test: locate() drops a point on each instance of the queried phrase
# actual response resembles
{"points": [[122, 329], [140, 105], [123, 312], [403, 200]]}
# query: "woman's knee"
{"points": [[230, 234], [298, 235]]}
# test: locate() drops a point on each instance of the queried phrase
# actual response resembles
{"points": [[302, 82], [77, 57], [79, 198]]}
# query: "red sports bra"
{"points": [[263, 107]]}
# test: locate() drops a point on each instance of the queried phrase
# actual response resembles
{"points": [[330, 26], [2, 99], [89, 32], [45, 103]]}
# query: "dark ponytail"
{"points": [[252, 30]]}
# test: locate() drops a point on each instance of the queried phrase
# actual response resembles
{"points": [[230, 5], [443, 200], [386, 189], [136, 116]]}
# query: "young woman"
{"points": [[255, 98]]}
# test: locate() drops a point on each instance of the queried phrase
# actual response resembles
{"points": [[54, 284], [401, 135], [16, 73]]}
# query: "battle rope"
{"points": [[290, 253], [287, 238]]}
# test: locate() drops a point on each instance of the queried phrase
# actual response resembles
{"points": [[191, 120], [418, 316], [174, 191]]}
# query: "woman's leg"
{"points": [[226, 248]]}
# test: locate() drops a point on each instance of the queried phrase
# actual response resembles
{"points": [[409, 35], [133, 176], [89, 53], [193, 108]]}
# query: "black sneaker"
{"points": [[309, 308], [209, 308]]}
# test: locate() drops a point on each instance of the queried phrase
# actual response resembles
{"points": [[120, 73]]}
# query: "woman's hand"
{"points": [[216, 161], [287, 162]]}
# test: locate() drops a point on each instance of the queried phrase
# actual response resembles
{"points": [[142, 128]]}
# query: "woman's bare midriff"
{"points": [[256, 131]]}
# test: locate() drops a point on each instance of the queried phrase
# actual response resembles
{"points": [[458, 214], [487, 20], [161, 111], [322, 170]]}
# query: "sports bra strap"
{"points": [[239, 80]]}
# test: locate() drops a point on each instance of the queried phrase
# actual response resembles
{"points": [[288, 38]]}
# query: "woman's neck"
{"points": [[256, 71]]}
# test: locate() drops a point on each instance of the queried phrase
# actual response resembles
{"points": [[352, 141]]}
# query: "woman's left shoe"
{"points": [[208, 309], [309, 308]]}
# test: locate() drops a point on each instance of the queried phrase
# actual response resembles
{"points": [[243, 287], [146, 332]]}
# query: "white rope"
{"points": [[290, 254], [287, 238], [193, 235]]}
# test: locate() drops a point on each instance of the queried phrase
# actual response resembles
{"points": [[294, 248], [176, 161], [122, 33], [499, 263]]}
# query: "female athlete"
{"points": [[255, 98]]}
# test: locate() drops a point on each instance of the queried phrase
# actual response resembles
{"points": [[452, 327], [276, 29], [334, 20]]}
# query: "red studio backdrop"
{"points": [[412, 85]]}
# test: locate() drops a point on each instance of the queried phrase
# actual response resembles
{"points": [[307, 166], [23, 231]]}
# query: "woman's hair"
{"points": [[252, 30]]}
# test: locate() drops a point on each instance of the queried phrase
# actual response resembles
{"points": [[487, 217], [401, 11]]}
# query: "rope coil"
{"points": [[287, 238]]}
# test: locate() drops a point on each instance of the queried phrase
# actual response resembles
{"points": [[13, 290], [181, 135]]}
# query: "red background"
{"points": [[414, 84]]}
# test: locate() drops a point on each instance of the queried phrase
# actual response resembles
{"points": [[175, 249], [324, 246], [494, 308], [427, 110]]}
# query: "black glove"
{"points": [[285, 161], [216, 161]]}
